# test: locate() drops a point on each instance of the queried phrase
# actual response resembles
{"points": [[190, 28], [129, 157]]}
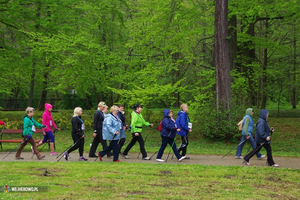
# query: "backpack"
{"points": [[160, 127], [240, 124]]}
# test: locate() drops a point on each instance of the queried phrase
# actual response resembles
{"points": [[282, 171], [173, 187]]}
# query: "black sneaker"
{"points": [[19, 158], [93, 156], [187, 157], [41, 157]]}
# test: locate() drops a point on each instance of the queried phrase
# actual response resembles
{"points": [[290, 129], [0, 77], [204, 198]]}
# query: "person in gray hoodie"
{"points": [[263, 138], [248, 124]]}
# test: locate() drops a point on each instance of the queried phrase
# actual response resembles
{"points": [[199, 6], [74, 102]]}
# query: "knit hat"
{"points": [[48, 106]]}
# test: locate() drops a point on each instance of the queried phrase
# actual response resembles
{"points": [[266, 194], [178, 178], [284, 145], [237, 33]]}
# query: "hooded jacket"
{"points": [[168, 125], [48, 121], [121, 116], [182, 122], [262, 128], [111, 125], [27, 125], [248, 123], [137, 122]]}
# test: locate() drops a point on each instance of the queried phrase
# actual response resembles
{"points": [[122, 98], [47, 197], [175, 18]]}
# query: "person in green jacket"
{"points": [[29, 127], [137, 122]]}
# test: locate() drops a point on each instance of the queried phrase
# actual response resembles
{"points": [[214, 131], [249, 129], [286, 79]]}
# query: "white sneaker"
{"points": [[239, 157], [275, 165], [247, 163], [159, 160], [262, 156], [146, 158], [182, 157], [125, 156]]}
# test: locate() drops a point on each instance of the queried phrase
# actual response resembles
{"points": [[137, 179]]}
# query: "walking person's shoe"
{"points": [[274, 165], [117, 161], [53, 153], [66, 155], [100, 157], [182, 158], [19, 158], [262, 156], [146, 158], [40, 158], [239, 157], [125, 156], [159, 160], [246, 163], [187, 157], [82, 159], [32, 150], [93, 156]]}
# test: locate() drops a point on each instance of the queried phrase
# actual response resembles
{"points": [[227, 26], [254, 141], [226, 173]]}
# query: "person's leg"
{"points": [[94, 146], [253, 144], [43, 141], [182, 145], [240, 147], [172, 142], [106, 150], [269, 154], [31, 141], [186, 139], [50, 135], [115, 148], [81, 147], [164, 142], [76, 138], [130, 145], [121, 143], [254, 151], [21, 147], [142, 145]]}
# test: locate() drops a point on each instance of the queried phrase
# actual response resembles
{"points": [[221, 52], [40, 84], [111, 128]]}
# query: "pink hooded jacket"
{"points": [[47, 117]]}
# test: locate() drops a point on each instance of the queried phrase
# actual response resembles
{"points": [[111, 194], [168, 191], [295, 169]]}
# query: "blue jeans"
{"points": [[165, 141], [252, 143], [113, 145]]}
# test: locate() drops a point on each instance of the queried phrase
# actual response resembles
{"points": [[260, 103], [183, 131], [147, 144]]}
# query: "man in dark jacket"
{"points": [[263, 138], [168, 134]]}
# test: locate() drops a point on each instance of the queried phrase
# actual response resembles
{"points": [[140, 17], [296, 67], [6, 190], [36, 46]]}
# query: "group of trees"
{"points": [[158, 53]]}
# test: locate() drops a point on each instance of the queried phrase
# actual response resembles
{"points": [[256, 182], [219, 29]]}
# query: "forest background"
{"points": [[157, 53]]}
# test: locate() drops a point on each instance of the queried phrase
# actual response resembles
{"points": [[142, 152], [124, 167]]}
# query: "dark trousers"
{"points": [[121, 143], [31, 141], [79, 144], [183, 145], [257, 149], [113, 145], [132, 143], [165, 141], [98, 139]]}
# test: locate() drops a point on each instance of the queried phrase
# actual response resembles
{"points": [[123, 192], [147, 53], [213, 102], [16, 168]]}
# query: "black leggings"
{"points": [[79, 144], [257, 149], [182, 147], [132, 143], [98, 139]]}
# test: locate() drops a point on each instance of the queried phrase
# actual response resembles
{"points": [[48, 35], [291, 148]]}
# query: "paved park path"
{"points": [[283, 162]]}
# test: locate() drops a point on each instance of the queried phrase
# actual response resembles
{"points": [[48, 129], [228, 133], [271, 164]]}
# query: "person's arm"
{"points": [[76, 124], [96, 116], [168, 124], [246, 124], [134, 119], [44, 121], [37, 124], [2, 123], [261, 130], [182, 123], [110, 124], [144, 121], [53, 123]]}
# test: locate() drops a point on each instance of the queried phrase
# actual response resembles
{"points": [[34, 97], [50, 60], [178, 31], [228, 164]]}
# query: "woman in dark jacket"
{"points": [[77, 134], [98, 122], [168, 134], [262, 138]]}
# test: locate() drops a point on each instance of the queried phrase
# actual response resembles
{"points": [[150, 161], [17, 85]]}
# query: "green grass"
{"points": [[148, 181]]}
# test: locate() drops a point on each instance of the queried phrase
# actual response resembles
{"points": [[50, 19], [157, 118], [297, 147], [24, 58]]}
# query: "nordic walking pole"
{"points": [[83, 144], [234, 147], [153, 155], [69, 148], [144, 141], [261, 144], [16, 147], [108, 145], [170, 150]]}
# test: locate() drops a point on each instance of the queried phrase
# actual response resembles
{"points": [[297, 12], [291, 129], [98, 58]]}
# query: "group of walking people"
{"points": [[112, 126]]}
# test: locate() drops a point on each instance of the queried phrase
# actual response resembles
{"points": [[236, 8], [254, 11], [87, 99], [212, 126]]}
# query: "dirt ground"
{"points": [[283, 162]]}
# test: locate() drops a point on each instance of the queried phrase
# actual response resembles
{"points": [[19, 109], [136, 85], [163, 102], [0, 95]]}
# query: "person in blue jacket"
{"points": [[262, 138], [168, 134], [112, 129], [248, 124], [182, 122]]}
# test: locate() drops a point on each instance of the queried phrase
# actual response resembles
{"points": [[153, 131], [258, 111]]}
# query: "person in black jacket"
{"points": [[262, 138], [122, 118], [98, 138], [77, 134]]}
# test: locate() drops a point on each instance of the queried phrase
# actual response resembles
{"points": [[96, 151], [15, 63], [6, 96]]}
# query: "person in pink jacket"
{"points": [[49, 122]]}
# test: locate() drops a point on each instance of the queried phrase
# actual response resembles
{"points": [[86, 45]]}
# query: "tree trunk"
{"points": [[44, 92], [232, 42], [264, 76], [223, 85]]}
